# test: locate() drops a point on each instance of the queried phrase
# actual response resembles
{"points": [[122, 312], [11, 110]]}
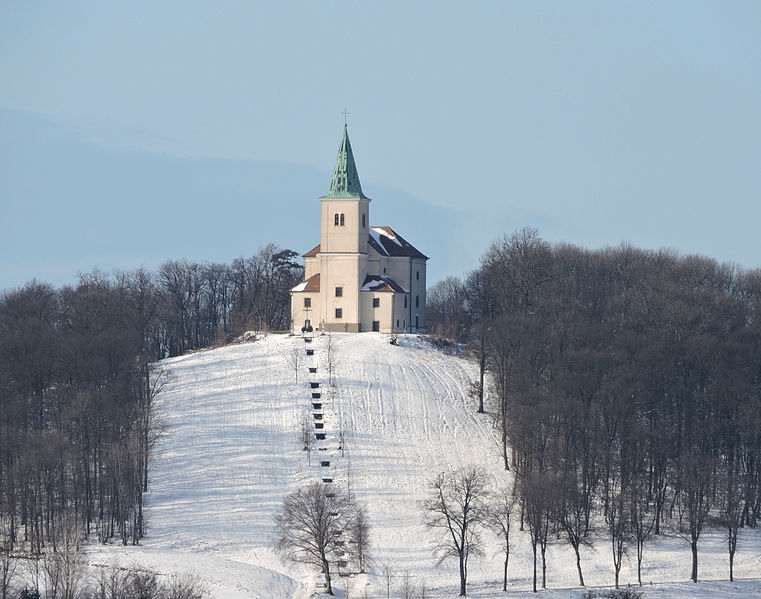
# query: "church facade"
{"points": [[360, 277]]}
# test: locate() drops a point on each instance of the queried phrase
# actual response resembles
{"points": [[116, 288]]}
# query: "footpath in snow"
{"points": [[395, 417]]}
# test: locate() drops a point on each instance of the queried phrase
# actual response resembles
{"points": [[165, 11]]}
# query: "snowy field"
{"points": [[233, 448]]}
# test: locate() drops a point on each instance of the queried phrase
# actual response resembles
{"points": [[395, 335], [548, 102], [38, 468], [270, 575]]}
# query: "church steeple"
{"points": [[345, 181]]}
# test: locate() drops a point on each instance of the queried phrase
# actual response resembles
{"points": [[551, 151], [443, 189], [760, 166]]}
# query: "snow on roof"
{"points": [[311, 284], [382, 283], [388, 232], [388, 242]]}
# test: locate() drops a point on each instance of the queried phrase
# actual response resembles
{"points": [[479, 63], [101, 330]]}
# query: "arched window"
{"points": [[342, 220], [417, 275], [417, 301], [363, 221], [336, 220]]}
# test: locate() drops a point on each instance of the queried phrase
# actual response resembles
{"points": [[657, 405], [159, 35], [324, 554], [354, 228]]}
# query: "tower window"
{"points": [[336, 220], [307, 302], [363, 221], [376, 302], [417, 301], [339, 313], [405, 301], [339, 291], [417, 275], [342, 220]]}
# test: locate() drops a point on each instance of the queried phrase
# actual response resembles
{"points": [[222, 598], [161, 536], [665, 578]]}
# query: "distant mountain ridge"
{"points": [[71, 204]]}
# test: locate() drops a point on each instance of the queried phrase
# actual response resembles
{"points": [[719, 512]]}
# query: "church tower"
{"points": [[360, 277], [343, 243]]}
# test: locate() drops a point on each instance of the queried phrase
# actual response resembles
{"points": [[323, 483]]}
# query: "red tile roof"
{"points": [[312, 253], [312, 284]]}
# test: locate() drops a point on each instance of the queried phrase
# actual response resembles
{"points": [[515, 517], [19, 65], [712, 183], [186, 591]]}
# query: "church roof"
{"points": [[312, 253], [388, 242], [345, 180], [381, 283], [312, 284]]}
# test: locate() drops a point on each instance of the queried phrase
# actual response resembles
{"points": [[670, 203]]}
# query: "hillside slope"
{"points": [[233, 448]]}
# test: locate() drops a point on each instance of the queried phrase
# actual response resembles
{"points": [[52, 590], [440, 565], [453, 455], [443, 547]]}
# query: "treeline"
{"points": [[77, 389], [627, 387]]}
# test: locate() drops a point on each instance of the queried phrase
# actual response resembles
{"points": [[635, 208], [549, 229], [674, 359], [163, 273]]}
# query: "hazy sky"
{"points": [[135, 132]]}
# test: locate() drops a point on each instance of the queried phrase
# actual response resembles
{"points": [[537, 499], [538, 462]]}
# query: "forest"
{"points": [[78, 383], [625, 385]]}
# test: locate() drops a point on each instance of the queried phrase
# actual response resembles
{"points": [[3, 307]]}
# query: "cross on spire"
{"points": [[345, 113]]}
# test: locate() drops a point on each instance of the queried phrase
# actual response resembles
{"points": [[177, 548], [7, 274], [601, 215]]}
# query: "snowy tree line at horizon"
{"points": [[78, 417], [626, 385]]}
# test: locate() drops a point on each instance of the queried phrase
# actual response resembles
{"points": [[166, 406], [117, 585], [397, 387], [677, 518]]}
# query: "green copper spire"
{"points": [[345, 181]]}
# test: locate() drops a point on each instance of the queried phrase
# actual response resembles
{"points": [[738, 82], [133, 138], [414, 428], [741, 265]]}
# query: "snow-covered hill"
{"points": [[233, 448]]}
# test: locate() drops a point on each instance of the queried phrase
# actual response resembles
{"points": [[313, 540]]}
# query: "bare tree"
{"points": [[313, 525], [293, 360], [619, 528], [360, 536], [388, 577], [63, 569], [537, 499], [185, 586], [500, 519], [110, 582], [407, 588], [642, 521], [457, 506], [7, 573], [569, 513], [331, 359]]}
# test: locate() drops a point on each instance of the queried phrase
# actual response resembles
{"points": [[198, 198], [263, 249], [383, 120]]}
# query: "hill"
{"points": [[233, 448]]}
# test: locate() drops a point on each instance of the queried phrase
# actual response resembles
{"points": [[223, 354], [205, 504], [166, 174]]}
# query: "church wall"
{"points": [[299, 314], [311, 266], [341, 270], [349, 237], [418, 290], [390, 310]]}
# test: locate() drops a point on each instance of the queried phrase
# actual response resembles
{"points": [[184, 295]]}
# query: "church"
{"points": [[360, 277]]}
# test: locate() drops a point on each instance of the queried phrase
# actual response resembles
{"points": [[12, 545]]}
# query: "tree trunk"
{"points": [[481, 370], [504, 578], [578, 565], [694, 545], [326, 568], [544, 567], [534, 567], [462, 574]]}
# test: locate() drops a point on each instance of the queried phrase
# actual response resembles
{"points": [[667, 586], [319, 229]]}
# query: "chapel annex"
{"points": [[359, 277]]}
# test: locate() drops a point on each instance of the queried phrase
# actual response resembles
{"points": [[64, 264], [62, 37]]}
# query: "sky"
{"points": [[135, 133]]}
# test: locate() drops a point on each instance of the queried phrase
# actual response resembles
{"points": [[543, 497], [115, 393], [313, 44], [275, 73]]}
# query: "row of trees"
{"points": [[66, 574], [77, 389], [626, 387]]}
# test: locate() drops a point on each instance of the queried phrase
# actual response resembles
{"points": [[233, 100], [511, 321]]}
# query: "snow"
{"points": [[382, 281], [233, 449], [376, 232]]}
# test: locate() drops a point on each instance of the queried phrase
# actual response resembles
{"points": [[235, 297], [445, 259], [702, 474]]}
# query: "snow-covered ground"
{"points": [[233, 448]]}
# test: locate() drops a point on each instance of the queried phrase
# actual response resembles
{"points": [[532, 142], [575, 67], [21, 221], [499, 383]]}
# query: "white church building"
{"points": [[360, 277]]}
